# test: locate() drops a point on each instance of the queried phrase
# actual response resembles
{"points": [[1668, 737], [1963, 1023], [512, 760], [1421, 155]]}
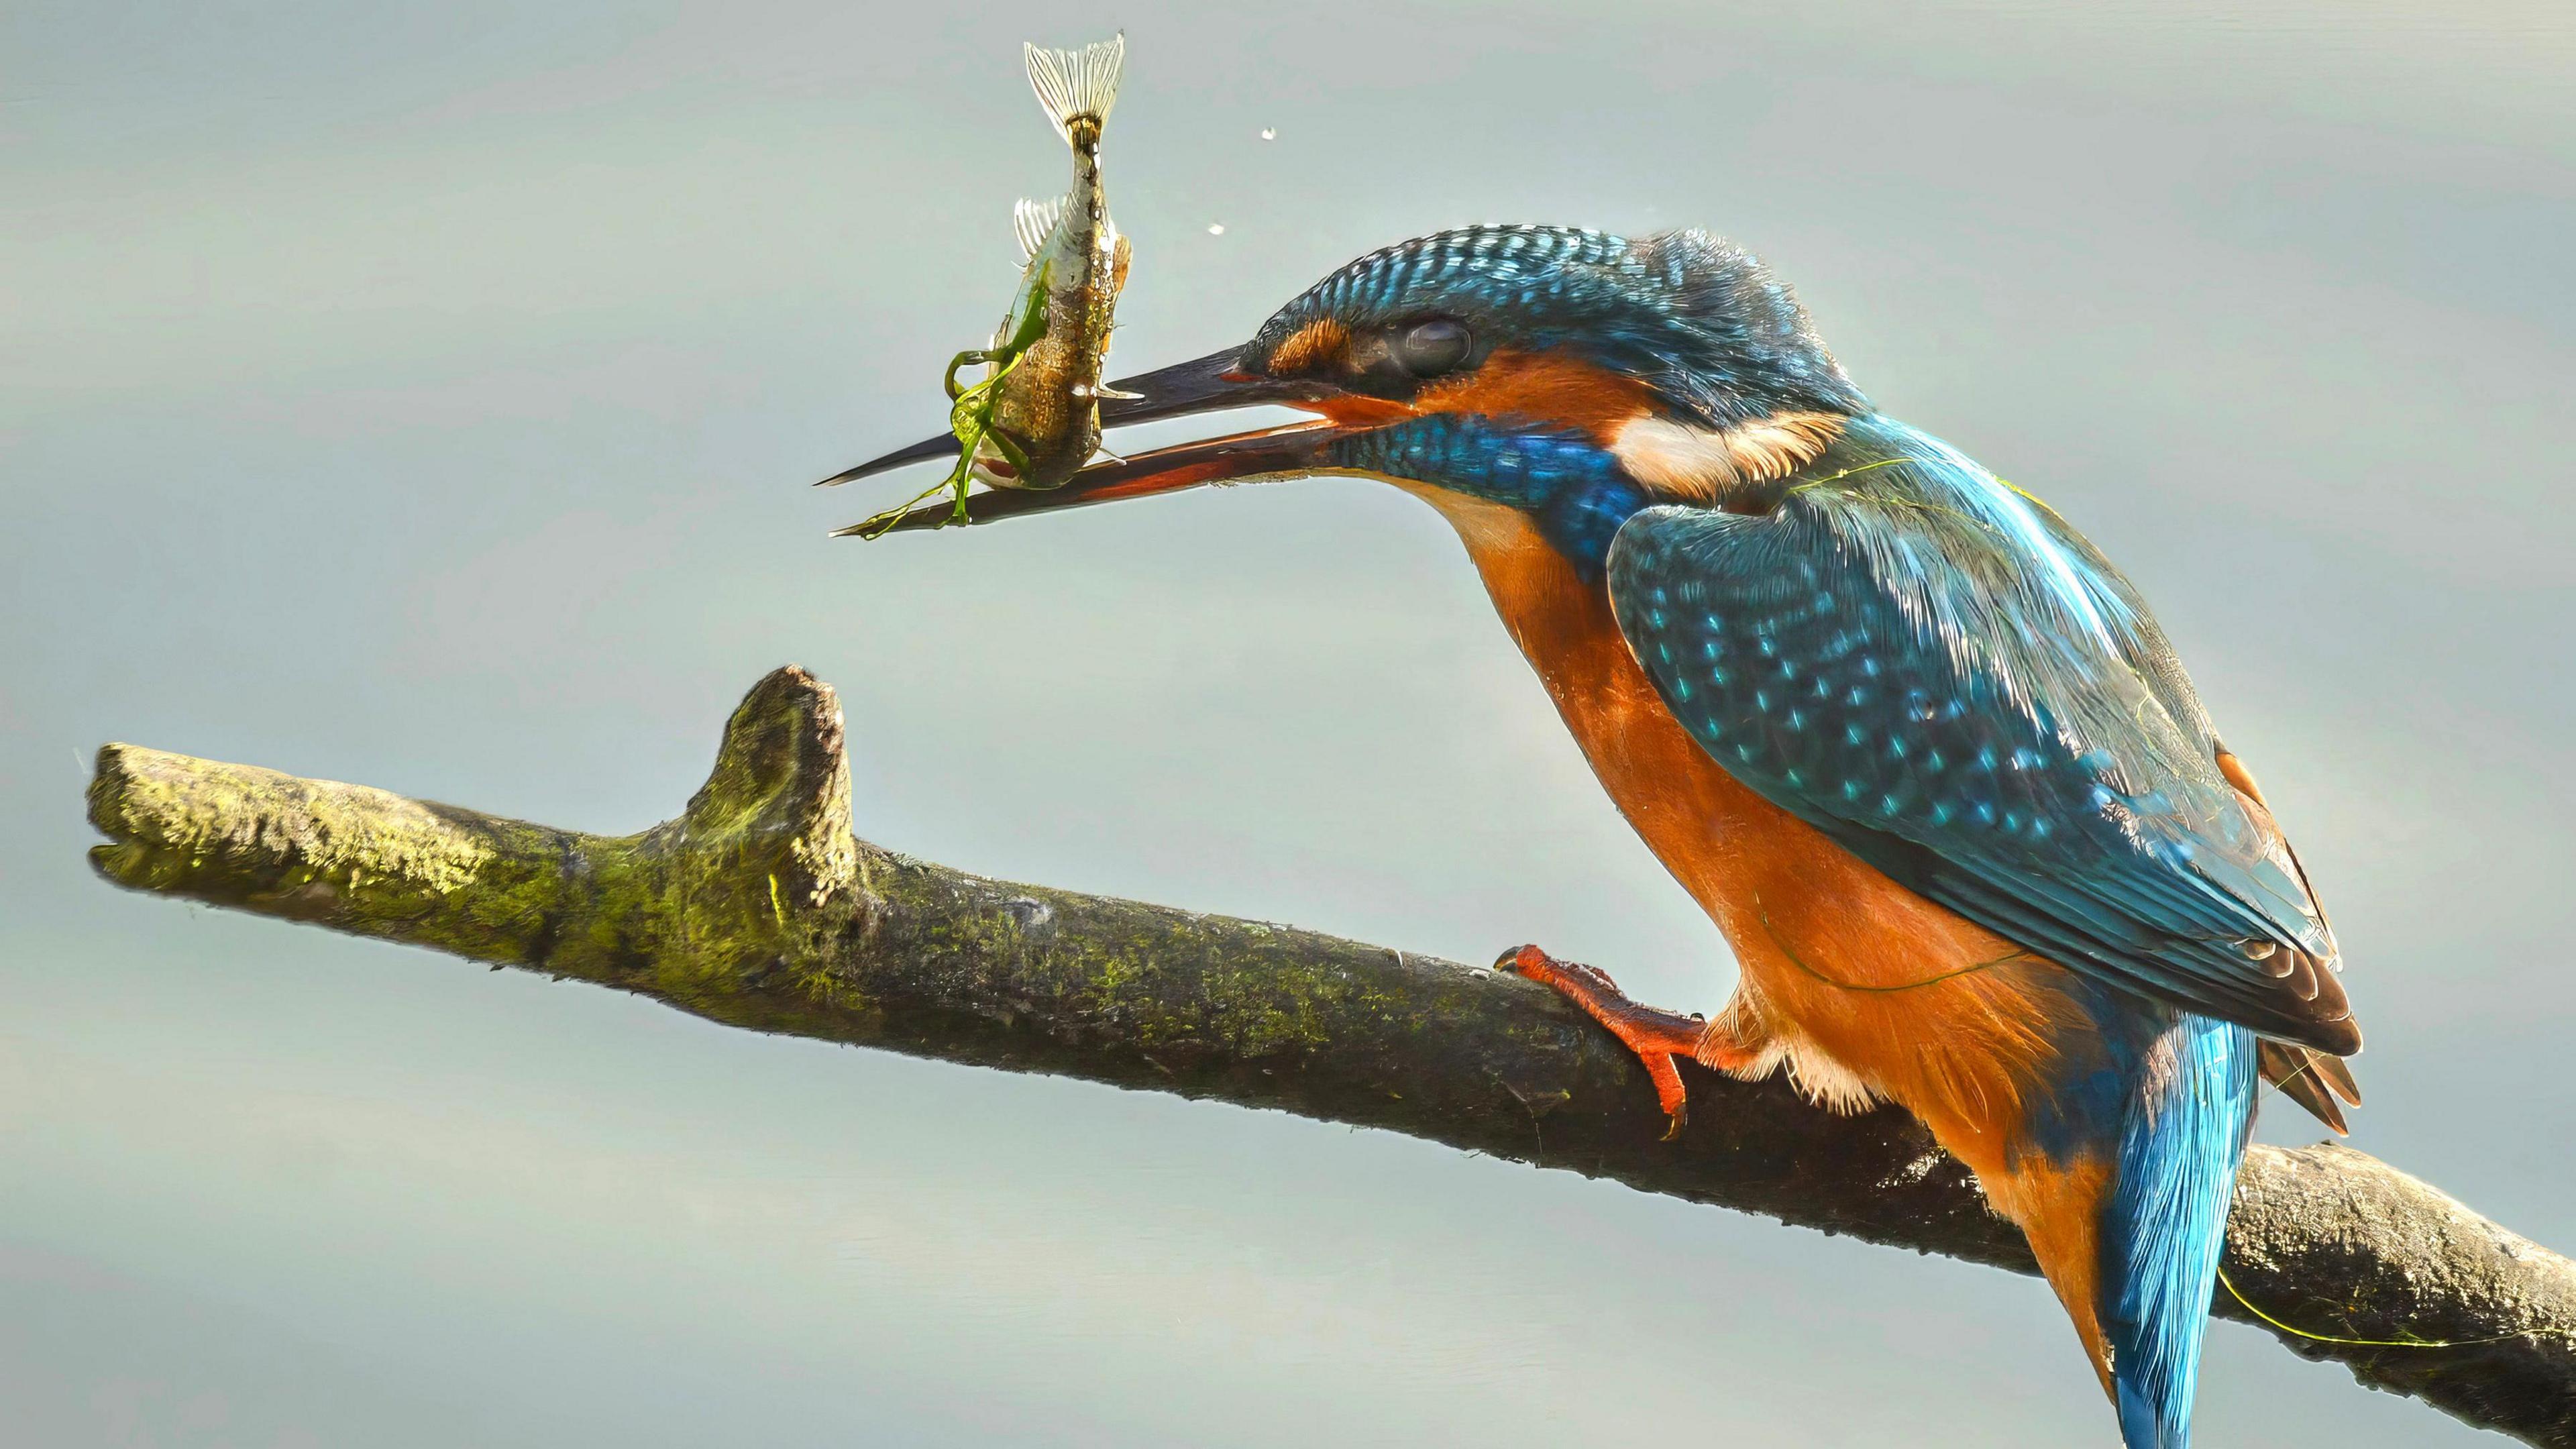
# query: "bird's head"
{"points": [[1565, 375]]}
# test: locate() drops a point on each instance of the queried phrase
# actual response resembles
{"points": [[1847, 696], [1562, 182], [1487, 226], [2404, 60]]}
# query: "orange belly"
{"points": [[1860, 987], [1839, 963]]}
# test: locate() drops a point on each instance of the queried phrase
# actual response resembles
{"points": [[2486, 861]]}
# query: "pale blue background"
{"points": [[424, 395]]}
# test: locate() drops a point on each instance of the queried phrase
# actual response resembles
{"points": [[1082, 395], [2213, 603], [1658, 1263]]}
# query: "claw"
{"points": [[1656, 1037]]}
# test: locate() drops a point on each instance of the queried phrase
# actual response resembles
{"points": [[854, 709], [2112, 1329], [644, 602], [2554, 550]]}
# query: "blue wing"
{"points": [[1946, 680]]}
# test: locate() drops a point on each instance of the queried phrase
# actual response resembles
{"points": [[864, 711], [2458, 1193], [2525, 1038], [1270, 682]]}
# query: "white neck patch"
{"points": [[1706, 465]]}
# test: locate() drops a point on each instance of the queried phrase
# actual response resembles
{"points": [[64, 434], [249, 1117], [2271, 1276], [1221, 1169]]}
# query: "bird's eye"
{"points": [[1433, 346]]}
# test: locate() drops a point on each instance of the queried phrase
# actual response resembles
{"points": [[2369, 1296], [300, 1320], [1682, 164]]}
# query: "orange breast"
{"points": [[1839, 962]]}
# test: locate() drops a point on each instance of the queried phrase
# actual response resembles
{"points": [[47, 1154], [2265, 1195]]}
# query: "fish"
{"points": [[1033, 420]]}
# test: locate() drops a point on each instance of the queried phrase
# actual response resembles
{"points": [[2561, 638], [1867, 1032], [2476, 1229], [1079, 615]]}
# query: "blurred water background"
{"points": [[424, 396]]}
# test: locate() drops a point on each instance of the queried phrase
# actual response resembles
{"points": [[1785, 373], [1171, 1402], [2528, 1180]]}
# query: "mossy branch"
{"points": [[757, 907]]}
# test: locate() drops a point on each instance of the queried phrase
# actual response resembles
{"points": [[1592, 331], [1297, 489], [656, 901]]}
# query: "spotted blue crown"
{"points": [[1699, 320]]}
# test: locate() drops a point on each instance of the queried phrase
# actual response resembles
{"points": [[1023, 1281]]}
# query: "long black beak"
{"points": [[1206, 384], [1210, 382]]}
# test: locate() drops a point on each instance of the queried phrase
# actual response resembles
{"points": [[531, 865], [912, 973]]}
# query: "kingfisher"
{"points": [[1917, 747]]}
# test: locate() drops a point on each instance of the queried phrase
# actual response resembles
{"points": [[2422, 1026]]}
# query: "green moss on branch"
{"points": [[757, 907]]}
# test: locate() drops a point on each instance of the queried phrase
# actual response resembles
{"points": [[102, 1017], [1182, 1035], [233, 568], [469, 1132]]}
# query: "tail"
{"points": [[2165, 1217], [1077, 88]]}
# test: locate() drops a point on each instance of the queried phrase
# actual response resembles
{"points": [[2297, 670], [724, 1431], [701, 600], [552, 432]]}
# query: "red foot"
{"points": [[1655, 1036]]}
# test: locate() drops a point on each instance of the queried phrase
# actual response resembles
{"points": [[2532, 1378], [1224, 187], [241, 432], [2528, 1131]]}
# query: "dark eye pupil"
{"points": [[1433, 347]]}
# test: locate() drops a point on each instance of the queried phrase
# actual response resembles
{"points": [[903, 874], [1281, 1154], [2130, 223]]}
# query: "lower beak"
{"points": [[1209, 384], [1236, 458]]}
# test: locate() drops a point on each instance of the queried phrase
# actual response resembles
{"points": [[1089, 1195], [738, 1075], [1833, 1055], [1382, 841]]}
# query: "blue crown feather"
{"points": [[1699, 320]]}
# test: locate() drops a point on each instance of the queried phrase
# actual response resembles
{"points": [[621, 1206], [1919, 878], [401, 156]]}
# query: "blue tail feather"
{"points": [[2181, 1139]]}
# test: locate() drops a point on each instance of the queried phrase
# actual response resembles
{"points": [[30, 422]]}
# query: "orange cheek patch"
{"points": [[1315, 343], [1546, 387]]}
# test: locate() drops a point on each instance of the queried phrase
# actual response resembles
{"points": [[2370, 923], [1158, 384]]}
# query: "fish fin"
{"points": [[1032, 220], [1078, 86]]}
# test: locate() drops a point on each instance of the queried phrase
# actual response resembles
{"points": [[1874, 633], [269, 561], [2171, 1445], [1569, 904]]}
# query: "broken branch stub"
{"points": [[757, 907]]}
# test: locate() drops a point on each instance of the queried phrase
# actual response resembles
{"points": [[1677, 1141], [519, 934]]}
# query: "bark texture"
{"points": [[757, 907]]}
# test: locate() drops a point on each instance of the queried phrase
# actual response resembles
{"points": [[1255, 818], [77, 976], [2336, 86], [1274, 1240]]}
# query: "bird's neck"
{"points": [[1559, 482], [1688, 810]]}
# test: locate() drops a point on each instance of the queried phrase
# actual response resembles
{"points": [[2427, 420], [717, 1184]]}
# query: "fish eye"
{"points": [[1433, 346]]}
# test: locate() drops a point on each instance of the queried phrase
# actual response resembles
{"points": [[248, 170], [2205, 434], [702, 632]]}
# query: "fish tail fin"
{"points": [[1077, 87], [2182, 1135]]}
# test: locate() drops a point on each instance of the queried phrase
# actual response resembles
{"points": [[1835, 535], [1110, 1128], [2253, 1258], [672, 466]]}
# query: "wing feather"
{"points": [[1949, 682]]}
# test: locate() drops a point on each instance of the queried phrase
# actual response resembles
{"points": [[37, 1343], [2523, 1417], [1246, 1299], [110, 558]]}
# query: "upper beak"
{"points": [[1208, 384]]}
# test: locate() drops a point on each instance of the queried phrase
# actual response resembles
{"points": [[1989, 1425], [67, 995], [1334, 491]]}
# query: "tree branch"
{"points": [[758, 908]]}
